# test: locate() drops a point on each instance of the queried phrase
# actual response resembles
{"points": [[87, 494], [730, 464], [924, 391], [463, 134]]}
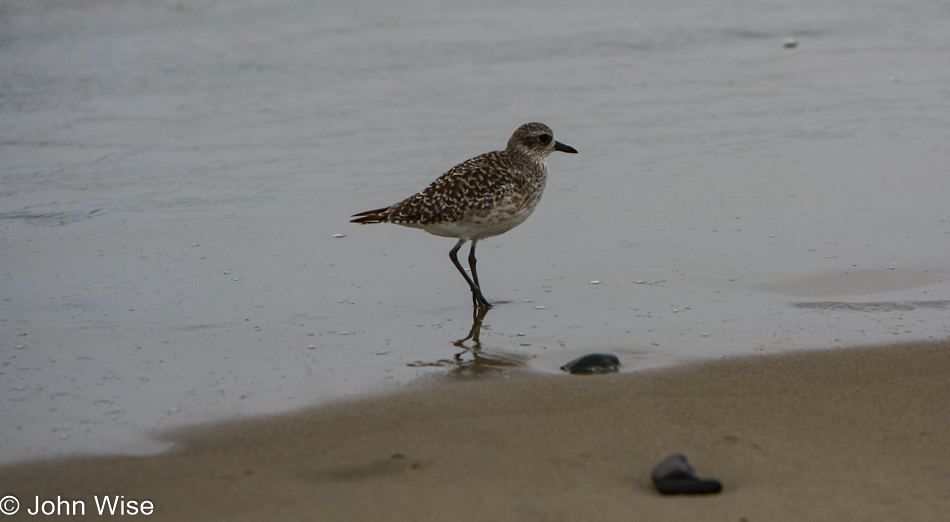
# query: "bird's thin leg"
{"points": [[477, 298], [453, 255], [472, 261], [480, 300]]}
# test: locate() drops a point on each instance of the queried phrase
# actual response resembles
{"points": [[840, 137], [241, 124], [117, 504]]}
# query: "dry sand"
{"points": [[856, 434]]}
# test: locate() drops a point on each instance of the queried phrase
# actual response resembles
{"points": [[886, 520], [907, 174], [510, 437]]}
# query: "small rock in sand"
{"points": [[593, 363], [676, 476]]}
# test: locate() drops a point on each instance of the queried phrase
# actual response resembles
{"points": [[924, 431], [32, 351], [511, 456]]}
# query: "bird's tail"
{"points": [[380, 215]]}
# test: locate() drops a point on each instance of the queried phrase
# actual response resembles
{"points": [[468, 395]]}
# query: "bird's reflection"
{"points": [[473, 361], [478, 315]]}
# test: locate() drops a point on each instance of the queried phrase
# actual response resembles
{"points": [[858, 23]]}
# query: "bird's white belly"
{"points": [[478, 227]]}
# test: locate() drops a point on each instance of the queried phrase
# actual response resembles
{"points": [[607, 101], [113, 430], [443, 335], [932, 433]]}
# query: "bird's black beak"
{"points": [[564, 148]]}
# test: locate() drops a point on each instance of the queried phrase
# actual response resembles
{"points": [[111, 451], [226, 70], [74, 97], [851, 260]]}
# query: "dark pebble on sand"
{"points": [[593, 363], [676, 476]]}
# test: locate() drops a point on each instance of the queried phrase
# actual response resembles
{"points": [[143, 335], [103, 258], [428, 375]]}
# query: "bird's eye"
{"points": [[545, 138]]}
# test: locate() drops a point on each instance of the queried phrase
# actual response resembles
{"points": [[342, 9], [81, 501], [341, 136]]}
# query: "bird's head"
{"points": [[535, 140]]}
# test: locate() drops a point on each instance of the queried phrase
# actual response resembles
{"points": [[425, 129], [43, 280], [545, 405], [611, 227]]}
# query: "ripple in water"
{"points": [[879, 306]]}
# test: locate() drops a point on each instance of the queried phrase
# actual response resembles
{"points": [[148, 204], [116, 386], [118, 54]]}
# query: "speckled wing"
{"points": [[476, 184]]}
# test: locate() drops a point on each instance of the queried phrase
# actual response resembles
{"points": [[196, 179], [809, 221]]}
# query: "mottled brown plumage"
{"points": [[483, 197]]}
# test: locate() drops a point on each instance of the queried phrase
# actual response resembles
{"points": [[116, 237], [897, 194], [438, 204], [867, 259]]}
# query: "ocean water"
{"points": [[175, 179]]}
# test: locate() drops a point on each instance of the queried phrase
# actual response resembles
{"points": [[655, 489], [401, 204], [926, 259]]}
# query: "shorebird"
{"points": [[480, 198]]}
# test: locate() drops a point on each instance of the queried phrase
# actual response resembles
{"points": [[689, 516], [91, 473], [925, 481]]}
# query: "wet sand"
{"points": [[177, 178], [853, 434]]}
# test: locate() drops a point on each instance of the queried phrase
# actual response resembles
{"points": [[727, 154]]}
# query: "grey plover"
{"points": [[483, 197]]}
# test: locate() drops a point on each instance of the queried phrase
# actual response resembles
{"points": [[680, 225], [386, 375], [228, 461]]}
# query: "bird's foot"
{"points": [[479, 301]]}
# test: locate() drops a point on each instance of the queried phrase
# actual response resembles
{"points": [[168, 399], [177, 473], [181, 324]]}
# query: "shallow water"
{"points": [[175, 176]]}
